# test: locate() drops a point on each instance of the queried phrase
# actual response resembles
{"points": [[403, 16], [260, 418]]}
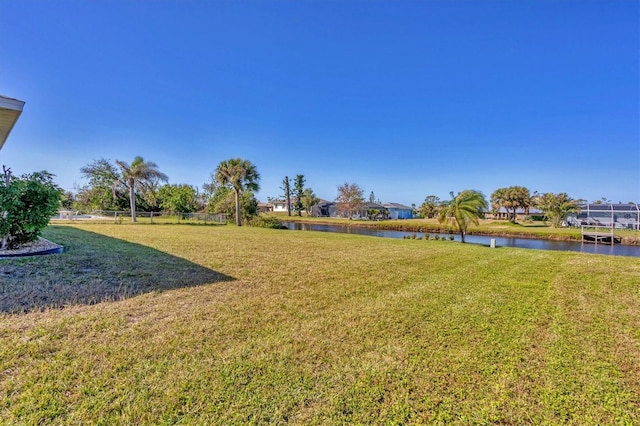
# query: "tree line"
{"points": [[554, 207], [141, 186]]}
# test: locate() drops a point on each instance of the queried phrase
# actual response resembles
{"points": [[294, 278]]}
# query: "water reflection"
{"points": [[614, 250]]}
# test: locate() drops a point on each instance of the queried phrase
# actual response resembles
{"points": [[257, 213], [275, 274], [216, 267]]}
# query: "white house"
{"points": [[280, 205]]}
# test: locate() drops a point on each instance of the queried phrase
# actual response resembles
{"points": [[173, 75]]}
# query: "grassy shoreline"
{"points": [[498, 228], [149, 324]]}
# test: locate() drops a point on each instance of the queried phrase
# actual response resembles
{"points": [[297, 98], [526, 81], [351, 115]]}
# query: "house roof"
{"points": [[322, 202], [397, 206], [10, 110], [374, 206], [279, 201]]}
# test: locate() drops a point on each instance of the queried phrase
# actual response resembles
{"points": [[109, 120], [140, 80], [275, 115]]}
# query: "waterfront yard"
{"points": [[492, 227], [163, 324]]}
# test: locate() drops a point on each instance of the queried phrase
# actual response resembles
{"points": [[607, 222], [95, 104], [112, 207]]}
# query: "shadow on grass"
{"points": [[93, 268]]}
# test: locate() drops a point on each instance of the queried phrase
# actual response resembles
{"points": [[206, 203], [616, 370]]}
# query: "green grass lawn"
{"points": [[164, 324]]}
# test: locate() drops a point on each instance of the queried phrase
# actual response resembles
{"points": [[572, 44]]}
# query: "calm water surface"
{"points": [[614, 250]]}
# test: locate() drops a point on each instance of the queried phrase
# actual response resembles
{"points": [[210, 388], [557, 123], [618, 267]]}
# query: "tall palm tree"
{"points": [[143, 173], [463, 209], [241, 175]]}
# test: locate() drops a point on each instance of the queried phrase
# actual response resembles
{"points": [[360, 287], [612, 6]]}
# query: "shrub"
{"points": [[25, 208], [266, 221]]}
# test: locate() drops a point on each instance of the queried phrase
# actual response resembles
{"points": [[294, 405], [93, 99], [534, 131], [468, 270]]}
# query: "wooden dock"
{"points": [[599, 235]]}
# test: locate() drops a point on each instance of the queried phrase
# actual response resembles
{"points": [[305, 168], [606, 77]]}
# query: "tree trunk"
{"points": [[132, 201], [461, 228], [238, 218], [7, 181]]}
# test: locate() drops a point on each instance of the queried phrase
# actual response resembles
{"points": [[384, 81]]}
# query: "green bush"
{"points": [[26, 206], [266, 221]]}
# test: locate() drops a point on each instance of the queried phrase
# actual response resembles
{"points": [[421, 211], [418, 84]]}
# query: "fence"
{"points": [[141, 217]]}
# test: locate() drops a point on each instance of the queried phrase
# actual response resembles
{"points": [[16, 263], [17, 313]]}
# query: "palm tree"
{"points": [[463, 209], [143, 173], [512, 199], [556, 207], [240, 174]]}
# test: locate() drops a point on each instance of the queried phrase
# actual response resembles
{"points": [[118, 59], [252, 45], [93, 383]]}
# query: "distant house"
{"points": [[365, 211], [373, 211], [503, 214], [399, 211], [324, 208], [279, 206], [264, 207]]}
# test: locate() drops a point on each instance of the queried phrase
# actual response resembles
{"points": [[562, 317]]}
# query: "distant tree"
{"points": [[143, 174], [101, 192], [511, 199], [298, 188], [211, 186], [223, 202], [463, 209], [67, 200], [178, 198], [309, 200], [350, 198], [149, 195], [430, 207], [556, 207], [249, 205], [286, 187], [372, 198], [242, 176]]}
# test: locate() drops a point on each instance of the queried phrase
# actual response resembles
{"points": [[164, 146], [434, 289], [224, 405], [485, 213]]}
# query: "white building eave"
{"points": [[10, 110]]}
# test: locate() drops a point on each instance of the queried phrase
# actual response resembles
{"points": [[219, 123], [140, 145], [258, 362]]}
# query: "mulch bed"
{"points": [[42, 246]]}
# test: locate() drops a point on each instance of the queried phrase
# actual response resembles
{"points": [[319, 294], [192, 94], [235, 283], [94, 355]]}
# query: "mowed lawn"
{"points": [[168, 324]]}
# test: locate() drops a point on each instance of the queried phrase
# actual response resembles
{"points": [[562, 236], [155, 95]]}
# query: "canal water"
{"points": [[614, 250]]}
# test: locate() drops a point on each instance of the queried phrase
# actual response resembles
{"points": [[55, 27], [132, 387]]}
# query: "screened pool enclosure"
{"points": [[618, 216]]}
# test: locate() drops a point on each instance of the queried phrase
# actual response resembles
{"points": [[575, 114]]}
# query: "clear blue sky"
{"points": [[405, 98]]}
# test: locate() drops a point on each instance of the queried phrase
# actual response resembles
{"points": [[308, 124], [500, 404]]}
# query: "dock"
{"points": [[599, 234]]}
